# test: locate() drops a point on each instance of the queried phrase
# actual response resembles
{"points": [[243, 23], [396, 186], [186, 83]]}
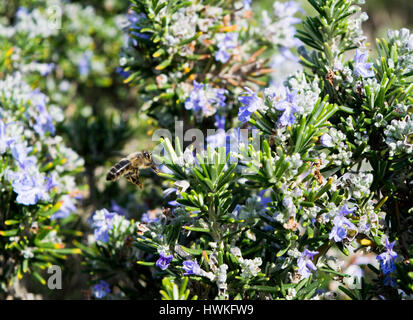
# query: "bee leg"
{"points": [[152, 165], [155, 168], [133, 177]]}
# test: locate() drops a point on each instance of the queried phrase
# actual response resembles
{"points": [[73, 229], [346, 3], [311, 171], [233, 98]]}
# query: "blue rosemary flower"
{"points": [[226, 42], [30, 187], [361, 67], [191, 267], [218, 97], [44, 122], [84, 63], [305, 263], [326, 140], [341, 224], [46, 68], [386, 259], [101, 289], [289, 106], [218, 139], [5, 140], [219, 122], [163, 261], [102, 224], [52, 181], [247, 4], [251, 103], [197, 99], [205, 99], [20, 153]]}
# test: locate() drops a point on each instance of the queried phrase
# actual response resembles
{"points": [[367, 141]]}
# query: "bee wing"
{"points": [[118, 169]]}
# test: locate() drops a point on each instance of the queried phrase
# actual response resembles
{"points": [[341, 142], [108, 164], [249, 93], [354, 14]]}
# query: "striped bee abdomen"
{"points": [[118, 169]]}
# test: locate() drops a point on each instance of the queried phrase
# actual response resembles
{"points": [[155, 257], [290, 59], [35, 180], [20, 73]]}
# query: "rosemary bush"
{"points": [[285, 153], [323, 171]]}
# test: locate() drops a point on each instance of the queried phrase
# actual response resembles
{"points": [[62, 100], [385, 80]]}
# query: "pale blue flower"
{"points": [[44, 122], [341, 224], [168, 191], [236, 138], [326, 140], [30, 187], [305, 263], [226, 42], [101, 289], [251, 103], [361, 67], [386, 259], [5, 140], [102, 224], [20, 154], [218, 139], [219, 122], [289, 106], [247, 4], [173, 203], [287, 10], [52, 181], [164, 261], [22, 12], [205, 99], [84, 63], [46, 68], [219, 98], [191, 267], [197, 99]]}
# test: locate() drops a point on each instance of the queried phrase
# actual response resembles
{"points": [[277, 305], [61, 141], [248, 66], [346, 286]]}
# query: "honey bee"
{"points": [[129, 167]]}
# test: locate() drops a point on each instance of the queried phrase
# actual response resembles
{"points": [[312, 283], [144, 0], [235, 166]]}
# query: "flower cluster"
{"points": [[36, 175], [60, 50], [204, 43], [205, 100]]}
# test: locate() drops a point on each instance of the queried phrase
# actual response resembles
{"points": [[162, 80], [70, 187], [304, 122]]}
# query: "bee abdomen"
{"points": [[118, 169]]}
